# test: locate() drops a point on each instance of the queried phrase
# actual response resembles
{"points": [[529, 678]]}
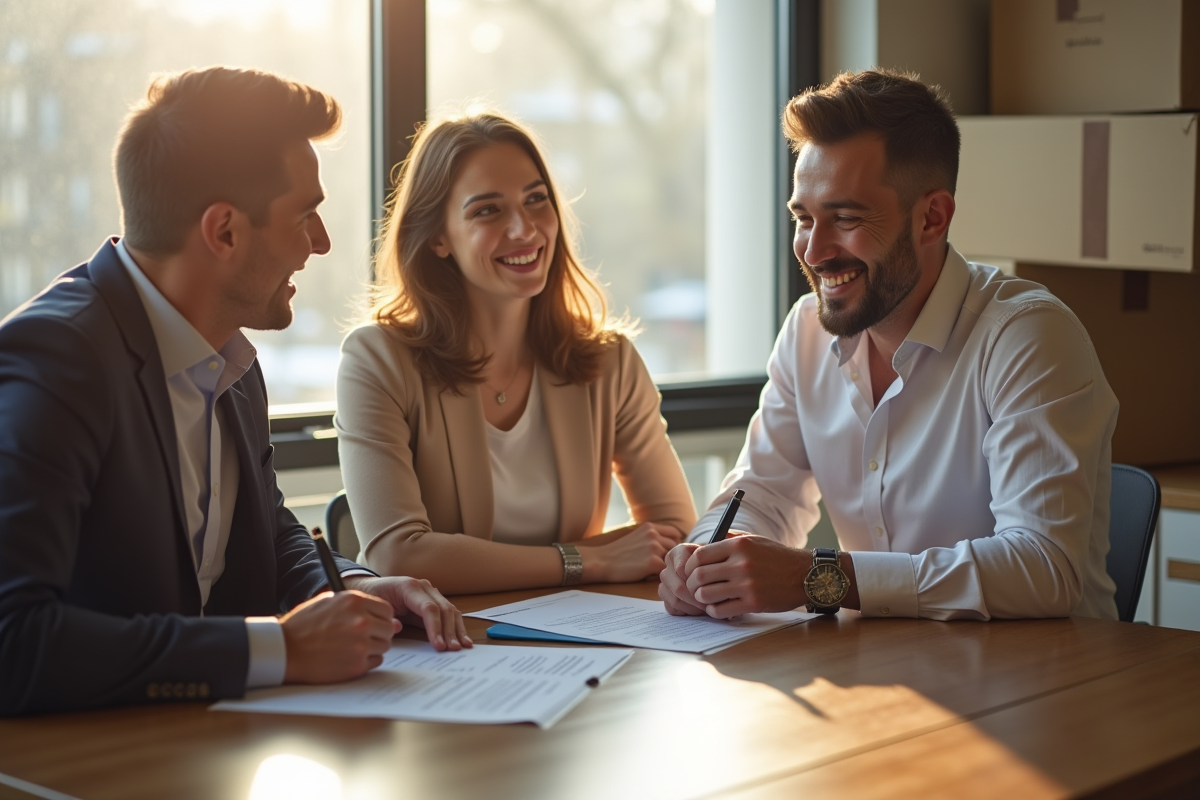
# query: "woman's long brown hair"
{"points": [[423, 297]]}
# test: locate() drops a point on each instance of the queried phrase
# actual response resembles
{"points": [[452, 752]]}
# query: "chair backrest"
{"points": [[340, 526], [1134, 504]]}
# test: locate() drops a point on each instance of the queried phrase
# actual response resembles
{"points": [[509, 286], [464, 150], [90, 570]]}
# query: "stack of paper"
{"points": [[609, 619], [488, 684]]}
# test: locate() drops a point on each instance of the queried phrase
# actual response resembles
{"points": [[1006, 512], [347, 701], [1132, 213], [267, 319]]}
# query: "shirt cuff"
{"points": [[268, 652], [887, 583], [354, 573]]}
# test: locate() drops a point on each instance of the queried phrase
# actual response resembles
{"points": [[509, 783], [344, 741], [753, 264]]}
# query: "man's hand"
{"points": [[672, 582], [746, 575], [415, 602], [336, 637]]}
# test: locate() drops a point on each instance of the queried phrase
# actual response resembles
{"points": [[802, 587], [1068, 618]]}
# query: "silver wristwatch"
{"points": [[572, 564]]}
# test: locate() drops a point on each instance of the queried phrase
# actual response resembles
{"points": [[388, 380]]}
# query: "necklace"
{"points": [[502, 395]]}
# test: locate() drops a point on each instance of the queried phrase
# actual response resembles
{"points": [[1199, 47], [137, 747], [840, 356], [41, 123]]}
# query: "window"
{"points": [[626, 97], [69, 69]]}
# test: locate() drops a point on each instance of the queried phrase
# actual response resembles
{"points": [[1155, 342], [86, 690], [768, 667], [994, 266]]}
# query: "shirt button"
{"points": [[853, 376], [873, 465], [216, 490], [878, 531], [212, 365], [885, 611]]}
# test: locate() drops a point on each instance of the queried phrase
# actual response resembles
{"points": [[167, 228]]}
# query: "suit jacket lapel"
{"points": [[466, 435], [113, 282], [250, 548], [569, 417]]}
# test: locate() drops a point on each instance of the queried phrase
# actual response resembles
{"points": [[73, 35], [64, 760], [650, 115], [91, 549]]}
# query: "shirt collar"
{"points": [[937, 318], [180, 345], [936, 321]]}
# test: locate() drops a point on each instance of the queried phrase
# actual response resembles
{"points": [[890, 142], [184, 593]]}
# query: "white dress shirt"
{"points": [[197, 376], [525, 477], [979, 486]]}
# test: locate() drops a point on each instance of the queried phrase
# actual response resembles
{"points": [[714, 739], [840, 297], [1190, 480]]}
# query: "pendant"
{"points": [[501, 398]]}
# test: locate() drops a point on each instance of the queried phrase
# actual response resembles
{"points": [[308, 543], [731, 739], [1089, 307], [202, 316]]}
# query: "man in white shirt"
{"points": [[146, 554], [955, 420]]}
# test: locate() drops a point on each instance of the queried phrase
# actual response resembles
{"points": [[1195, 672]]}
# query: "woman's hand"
{"points": [[627, 555]]}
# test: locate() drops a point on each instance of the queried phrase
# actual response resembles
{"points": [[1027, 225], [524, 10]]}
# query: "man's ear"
{"points": [[936, 211], [222, 229]]}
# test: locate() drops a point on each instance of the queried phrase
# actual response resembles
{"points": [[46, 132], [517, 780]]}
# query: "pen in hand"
{"points": [[727, 517], [326, 555]]}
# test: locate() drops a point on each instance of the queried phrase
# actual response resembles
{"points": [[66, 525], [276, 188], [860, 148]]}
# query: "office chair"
{"points": [[340, 527], [1134, 508]]}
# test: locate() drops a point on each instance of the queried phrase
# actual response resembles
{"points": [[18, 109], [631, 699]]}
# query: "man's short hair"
{"points": [[211, 135], [915, 121]]}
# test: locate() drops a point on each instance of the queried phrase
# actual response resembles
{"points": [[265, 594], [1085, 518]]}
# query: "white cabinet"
{"points": [[1178, 569]]}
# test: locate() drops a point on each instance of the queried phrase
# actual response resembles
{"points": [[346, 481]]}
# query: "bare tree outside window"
{"points": [[618, 91], [69, 70]]}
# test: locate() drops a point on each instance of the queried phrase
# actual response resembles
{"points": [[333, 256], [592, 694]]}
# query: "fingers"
{"points": [[441, 620], [729, 609], [672, 588], [676, 606], [369, 616]]}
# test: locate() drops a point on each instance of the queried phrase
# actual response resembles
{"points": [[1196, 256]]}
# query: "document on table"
{"points": [[489, 684], [609, 619]]}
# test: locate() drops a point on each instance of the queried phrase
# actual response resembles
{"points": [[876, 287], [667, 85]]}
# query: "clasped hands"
{"points": [[744, 574]]}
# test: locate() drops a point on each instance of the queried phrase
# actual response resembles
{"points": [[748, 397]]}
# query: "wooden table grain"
{"points": [[846, 706]]}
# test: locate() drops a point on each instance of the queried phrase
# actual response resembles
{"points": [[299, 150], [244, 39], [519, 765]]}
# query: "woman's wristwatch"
{"points": [[572, 564]]}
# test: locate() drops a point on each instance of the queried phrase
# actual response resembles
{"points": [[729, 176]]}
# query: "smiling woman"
{"points": [[490, 395]]}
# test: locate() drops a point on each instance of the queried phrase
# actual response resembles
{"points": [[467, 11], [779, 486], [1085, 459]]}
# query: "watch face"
{"points": [[826, 585]]}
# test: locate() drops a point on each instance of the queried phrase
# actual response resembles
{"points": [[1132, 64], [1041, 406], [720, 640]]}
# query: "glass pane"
{"points": [[618, 92], [69, 69]]}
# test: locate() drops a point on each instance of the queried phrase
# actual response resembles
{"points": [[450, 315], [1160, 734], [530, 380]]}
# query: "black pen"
{"points": [[727, 517], [326, 555]]}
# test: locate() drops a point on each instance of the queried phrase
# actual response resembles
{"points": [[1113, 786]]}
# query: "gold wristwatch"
{"points": [[826, 585], [572, 564]]}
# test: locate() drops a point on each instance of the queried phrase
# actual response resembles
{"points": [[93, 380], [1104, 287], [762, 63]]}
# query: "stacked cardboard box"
{"points": [[1090, 160]]}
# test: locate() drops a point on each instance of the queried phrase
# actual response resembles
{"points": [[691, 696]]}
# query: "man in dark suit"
{"points": [[145, 550]]}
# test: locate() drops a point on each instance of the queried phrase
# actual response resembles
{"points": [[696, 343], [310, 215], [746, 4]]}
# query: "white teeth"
{"points": [[838, 280], [517, 261]]}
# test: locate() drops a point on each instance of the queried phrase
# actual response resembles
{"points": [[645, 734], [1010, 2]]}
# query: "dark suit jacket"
{"points": [[99, 603]]}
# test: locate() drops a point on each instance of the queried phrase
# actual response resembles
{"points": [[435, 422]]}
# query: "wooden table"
{"points": [[847, 707]]}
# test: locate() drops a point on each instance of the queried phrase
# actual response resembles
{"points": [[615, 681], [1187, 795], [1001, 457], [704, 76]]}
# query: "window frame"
{"points": [[306, 439]]}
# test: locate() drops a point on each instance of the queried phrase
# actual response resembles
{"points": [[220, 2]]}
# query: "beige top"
{"points": [[415, 458]]}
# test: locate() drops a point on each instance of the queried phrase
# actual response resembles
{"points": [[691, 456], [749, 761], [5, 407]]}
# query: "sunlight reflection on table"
{"points": [[291, 777]]}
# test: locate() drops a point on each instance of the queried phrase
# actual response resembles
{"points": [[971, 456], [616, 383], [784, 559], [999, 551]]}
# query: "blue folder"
{"points": [[503, 630]]}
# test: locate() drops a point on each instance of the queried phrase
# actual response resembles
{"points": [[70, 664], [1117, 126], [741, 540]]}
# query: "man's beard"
{"points": [[888, 282], [258, 313]]}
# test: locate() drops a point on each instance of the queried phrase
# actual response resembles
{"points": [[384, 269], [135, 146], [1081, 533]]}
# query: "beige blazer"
{"points": [[415, 455]]}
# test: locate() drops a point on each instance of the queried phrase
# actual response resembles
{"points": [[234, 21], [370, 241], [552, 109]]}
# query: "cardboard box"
{"points": [[944, 41], [1095, 56], [1146, 332], [1085, 191]]}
